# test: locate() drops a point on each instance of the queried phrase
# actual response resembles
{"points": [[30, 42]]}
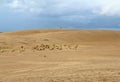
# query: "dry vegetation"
{"points": [[60, 56]]}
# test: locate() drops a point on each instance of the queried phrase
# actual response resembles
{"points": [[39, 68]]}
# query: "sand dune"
{"points": [[71, 36], [58, 55]]}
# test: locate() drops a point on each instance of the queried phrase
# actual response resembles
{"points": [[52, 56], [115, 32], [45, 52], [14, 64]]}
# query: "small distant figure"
{"points": [[61, 27]]}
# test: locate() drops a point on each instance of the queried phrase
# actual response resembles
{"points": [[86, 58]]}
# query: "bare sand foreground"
{"points": [[60, 56]]}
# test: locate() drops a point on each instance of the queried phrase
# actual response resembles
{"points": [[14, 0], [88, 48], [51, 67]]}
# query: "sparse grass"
{"points": [[46, 40], [54, 47], [22, 49], [4, 49], [45, 56], [13, 50], [40, 47]]}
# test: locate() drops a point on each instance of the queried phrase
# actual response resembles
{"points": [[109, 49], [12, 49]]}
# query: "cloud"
{"points": [[45, 6], [61, 7], [17, 5], [64, 13], [108, 8], [23, 6]]}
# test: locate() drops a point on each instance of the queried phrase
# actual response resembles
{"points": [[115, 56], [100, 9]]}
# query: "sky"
{"points": [[75, 14]]}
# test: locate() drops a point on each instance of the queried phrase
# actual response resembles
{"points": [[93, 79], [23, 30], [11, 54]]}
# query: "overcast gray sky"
{"points": [[82, 14]]}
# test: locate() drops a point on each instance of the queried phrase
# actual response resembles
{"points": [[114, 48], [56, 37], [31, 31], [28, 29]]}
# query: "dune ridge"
{"points": [[75, 35]]}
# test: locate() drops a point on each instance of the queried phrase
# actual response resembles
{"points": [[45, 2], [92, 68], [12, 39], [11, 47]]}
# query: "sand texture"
{"points": [[59, 55]]}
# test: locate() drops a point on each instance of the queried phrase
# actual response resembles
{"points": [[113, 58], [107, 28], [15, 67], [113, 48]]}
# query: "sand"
{"points": [[59, 55]]}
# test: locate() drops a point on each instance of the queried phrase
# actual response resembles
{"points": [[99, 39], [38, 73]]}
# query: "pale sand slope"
{"points": [[60, 56]]}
